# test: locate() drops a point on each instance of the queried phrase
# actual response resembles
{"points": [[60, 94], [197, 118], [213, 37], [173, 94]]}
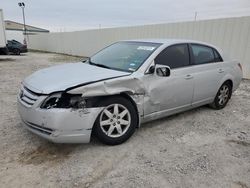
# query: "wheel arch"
{"points": [[125, 95], [227, 78], [230, 82], [215, 104], [128, 97]]}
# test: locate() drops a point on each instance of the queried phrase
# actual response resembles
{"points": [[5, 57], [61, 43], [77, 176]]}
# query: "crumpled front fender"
{"points": [[110, 87], [129, 85]]}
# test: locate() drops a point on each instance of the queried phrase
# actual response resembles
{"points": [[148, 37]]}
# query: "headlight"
{"points": [[77, 102], [51, 101], [64, 100]]}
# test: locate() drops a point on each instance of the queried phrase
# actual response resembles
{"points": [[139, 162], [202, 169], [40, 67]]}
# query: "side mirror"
{"points": [[163, 71]]}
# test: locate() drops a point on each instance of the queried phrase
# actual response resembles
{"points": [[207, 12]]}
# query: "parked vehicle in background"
{"points": [[3, 48], [124, 85], [16, 47]]}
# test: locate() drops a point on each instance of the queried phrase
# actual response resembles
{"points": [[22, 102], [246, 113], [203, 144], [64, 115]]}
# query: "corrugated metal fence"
{"points": [[230, 34]]}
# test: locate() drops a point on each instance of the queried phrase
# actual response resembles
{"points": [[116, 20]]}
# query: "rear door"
{"points": [[208, 70]]}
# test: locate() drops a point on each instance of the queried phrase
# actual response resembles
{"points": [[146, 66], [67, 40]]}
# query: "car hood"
{"points": [[62, 77]]}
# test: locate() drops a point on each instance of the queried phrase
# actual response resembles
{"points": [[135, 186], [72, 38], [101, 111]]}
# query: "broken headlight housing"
{"points": [[64, 100]]}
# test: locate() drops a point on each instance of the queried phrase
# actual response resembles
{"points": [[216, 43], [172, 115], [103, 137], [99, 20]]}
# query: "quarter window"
{"points": [[202, 54], [174, 56], [217, 57]]}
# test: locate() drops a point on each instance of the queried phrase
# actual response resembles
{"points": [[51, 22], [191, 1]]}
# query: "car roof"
{"points": [[167, 41]]}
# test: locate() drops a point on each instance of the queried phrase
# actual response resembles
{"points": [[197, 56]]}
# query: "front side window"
{"points": [[124, 56], [175, 56], [202, 54]]}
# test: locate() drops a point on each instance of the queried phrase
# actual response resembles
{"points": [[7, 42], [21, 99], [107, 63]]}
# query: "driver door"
{"points": [[169, 94]]}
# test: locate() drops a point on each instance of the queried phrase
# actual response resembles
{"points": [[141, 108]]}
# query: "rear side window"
{"points": [[217, 57], [202, 54], [174, 56]]}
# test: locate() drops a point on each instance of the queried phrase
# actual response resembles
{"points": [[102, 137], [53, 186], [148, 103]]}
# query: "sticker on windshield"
{"points": [[148, 48]]}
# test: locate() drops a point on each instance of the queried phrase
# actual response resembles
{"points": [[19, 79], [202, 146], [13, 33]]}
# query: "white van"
{"points": [[3, 48]]}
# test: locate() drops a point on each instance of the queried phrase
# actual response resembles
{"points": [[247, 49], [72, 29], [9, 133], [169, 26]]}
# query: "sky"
{"points": [[72, 15]]}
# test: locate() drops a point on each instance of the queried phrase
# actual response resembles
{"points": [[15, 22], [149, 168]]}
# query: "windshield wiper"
{"points": [[98, 65]]}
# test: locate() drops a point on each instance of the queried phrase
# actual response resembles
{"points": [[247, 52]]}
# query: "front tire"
{"points": [[117, 121], [16, 51], [222, 96]]}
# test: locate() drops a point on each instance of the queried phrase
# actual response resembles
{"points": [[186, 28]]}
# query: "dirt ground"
{"points": [[198, 148]]}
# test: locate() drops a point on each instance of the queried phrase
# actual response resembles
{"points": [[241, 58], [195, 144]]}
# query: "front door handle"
{"points": [[187, 77], [221, 71]]}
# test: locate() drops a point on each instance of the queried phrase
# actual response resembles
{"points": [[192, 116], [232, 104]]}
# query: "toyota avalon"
{"points": [[124, 85]]}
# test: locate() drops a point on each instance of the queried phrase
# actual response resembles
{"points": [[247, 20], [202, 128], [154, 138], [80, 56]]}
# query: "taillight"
{"points": [[240, 66]]}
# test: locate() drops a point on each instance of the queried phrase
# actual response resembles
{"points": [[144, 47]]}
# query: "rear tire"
{"points": [[222, 97], [117, 121]]}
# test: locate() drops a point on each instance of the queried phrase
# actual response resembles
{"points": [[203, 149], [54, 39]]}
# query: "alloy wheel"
{"points": [[223, 95], [115, 120]]}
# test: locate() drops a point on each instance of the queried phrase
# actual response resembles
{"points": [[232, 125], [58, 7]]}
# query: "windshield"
{"points": [[124, 56]]}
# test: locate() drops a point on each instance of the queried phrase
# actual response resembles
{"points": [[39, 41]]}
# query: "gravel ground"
{"points": [[198, 148]]}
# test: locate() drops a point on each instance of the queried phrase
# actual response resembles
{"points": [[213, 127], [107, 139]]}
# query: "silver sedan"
{"points": [[125, 84]]}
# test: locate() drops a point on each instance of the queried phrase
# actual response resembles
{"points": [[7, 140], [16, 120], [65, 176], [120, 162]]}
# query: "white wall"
{"points": [[230, 34], [16, 35]]}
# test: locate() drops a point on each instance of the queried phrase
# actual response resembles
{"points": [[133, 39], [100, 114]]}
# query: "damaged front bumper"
{"points": [[58, 125]]}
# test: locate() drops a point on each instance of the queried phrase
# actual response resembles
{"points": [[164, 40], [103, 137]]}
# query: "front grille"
{"points": [[41, 129], [27, 96]]}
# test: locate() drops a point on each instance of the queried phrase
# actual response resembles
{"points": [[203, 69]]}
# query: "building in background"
{"points": [[15, 31]]}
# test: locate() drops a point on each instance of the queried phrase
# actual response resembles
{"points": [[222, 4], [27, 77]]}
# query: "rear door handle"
{"points": [[187, 77], [221, 71]]}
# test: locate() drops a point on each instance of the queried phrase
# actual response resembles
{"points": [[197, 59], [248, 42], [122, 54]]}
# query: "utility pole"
{"points": [[22, 5], [195, 16]]}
